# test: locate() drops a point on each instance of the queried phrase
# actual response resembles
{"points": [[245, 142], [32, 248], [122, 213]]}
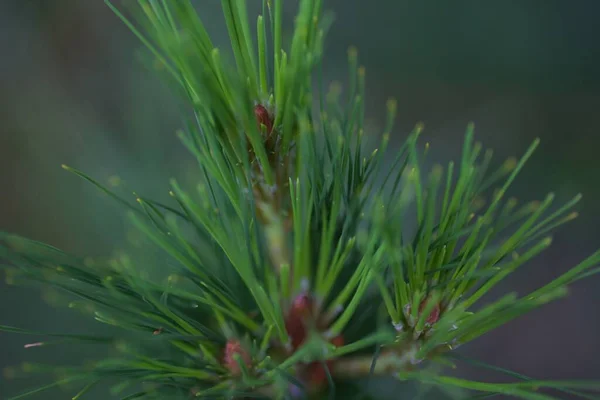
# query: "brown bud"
{"points": [[434, 316], [295, 323], [233, 348], [263, 118], [317, 372]]}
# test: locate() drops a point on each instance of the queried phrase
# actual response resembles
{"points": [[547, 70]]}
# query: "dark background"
{"points": [[73, 90]]}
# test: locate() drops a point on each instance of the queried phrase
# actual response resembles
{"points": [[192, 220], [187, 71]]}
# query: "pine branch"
{"points": [[294, 236]]}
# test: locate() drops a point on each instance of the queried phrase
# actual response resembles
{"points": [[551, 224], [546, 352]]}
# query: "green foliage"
{"points": [[294, 236]]}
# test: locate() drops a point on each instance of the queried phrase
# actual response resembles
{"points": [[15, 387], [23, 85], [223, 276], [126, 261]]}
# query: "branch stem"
{"points": [[387, 363]]}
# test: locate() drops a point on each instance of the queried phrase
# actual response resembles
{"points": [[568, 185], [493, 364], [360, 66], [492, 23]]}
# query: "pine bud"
{"points": [[233, 348], [300, 311], [317, 371], [263, 118], [434, 316]]}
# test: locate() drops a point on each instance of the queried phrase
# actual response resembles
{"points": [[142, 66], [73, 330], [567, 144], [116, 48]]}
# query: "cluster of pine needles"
{"points": [[300, 263]]}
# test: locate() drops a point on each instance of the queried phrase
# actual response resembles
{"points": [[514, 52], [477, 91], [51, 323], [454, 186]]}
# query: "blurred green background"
{"points": [[73, 90]]}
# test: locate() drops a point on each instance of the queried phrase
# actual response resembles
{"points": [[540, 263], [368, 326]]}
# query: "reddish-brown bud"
{"points": [[302, 305], [296, 329], [434, 316], [300, 311], [317, 372], [263, 118], [317, 375], [337, 341], [233, 348]]}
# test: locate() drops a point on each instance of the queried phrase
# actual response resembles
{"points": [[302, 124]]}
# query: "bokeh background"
{"points": [[73, 90]]}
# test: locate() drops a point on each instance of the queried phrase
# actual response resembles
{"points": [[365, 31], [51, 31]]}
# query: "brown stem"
{"points": [[360, 366], [276, 236]]}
